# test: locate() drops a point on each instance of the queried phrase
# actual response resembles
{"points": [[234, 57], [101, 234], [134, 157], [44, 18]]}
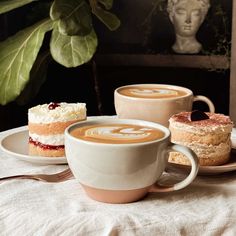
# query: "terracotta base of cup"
{"points": [[116, 196]]}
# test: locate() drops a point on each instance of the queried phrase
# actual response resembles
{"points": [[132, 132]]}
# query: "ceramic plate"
{"points": [[16, 144]]}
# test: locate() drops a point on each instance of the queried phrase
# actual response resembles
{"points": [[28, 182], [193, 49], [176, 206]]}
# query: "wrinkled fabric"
{"points": [[29, 207]]}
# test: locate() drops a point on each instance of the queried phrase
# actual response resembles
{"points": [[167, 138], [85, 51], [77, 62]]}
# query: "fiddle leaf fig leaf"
{"points": [[74, 16], [109, 19], [17, 56], [106, 3], [38, 75], [8, 5], [72, 51]]}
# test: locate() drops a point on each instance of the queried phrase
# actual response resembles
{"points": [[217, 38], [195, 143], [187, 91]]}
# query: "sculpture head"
{"points": [[187, 15]]}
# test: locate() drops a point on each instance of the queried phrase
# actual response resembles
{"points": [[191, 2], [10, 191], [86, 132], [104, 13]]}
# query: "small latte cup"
{"points": [[155, 102], [121, 160]]}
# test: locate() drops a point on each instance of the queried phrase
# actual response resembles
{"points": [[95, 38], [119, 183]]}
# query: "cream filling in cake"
{"points": [[54, 140], [63, 113]]}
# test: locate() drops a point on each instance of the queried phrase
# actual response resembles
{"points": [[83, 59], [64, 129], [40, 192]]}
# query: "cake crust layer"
{"points": [[51, 128], [179, 158], [207, 138]]}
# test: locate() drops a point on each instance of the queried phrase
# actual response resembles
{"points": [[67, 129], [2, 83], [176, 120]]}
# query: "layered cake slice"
{"points": [[47, 124], [207, 134]]}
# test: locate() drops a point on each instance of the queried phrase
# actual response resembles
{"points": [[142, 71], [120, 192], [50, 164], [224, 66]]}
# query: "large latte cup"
{"points": [[155, 102], [121, 160]]}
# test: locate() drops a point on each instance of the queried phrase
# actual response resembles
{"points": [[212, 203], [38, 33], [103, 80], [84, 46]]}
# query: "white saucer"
{"points": [[16, 144]]}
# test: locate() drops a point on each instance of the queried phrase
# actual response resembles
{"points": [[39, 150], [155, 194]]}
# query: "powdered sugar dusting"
{"points": [[216, 123]]}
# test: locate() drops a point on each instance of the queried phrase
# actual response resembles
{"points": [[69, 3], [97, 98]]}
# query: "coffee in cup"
{"points": [[117, 133], [151, 91], [155, 102], [121, 160]]}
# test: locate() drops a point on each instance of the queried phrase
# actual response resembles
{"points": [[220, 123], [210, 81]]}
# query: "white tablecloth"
{"points": [[29, 207]]}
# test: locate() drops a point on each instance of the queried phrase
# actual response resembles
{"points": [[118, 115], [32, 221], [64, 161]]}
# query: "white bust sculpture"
{"points": [[187, 16]]}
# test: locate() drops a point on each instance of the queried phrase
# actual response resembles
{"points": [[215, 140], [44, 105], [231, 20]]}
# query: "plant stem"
{"points": [[97, 88]]}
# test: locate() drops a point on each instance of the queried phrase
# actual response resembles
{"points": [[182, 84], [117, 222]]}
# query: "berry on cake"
{"points": [[207, 134], [47, 124]]}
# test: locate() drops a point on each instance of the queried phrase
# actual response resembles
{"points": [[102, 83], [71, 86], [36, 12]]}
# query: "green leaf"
{"points": [[106, 3], [38, 75], [17, 56], [109, 19], [74, 16], [72, 51], [9, 5]]}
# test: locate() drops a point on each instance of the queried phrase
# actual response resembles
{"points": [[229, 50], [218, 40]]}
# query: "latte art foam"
{"points": [[151, 92], [117, 133]]}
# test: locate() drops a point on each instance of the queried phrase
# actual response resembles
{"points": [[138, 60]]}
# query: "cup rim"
{"points": [[117, 120], [189, 91]]}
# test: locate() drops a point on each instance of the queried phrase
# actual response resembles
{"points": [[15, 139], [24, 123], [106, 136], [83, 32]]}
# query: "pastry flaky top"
{"points": [[216, 123], [61, 112]]}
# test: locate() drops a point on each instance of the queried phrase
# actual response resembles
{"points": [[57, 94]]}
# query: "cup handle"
{"points": [[193, 173], [206, 100]]}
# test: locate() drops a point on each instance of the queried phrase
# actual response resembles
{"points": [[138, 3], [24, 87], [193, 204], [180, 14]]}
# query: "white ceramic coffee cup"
{"points": [[156, 109], [121, 173]]}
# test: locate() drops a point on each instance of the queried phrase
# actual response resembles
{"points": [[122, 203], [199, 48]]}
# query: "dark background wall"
{"points": [[145, 29]]}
